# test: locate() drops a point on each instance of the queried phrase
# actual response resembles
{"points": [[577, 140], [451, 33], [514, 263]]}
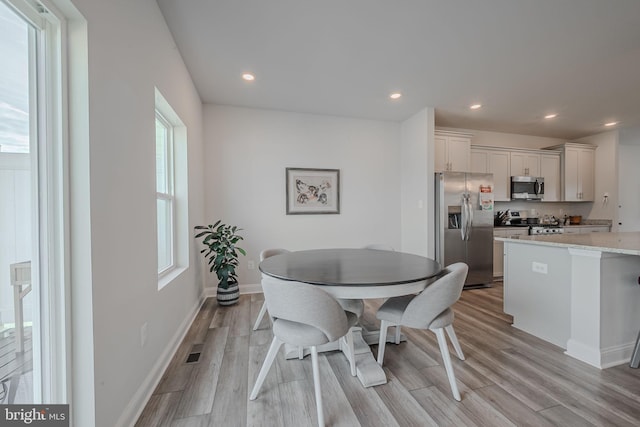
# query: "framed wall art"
{"points": [[313, 191]]}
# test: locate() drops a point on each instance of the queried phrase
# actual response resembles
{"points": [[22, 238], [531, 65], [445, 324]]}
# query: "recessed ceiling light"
{"points": [[395, 95], [475, 106], [248, 77], [611, 124], [550, 116]]}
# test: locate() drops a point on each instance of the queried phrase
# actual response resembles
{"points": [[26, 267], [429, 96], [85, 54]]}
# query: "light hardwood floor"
{"points": [[508, 378]]}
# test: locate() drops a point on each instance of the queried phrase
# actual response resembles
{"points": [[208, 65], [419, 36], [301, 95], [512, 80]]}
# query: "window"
{"points": [[171, 192], [165, 194]]}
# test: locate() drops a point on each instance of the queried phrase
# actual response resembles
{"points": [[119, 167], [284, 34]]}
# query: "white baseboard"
{"points": [[619, 355], [244, 289], [601, 358], [583, 352], [139, 400]]}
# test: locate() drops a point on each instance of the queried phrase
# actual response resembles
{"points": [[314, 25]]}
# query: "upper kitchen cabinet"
{"points": [[525, 164], [452, 151], [495, 161], [504, 163], [577, 170], [550, 171]]}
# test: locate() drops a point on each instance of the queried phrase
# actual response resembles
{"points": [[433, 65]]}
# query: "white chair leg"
{"points": [[442, 342], [454, 341], [316, 384], [263, 311], [352, 352], [383, 339], [397, 341], [266, 366]]}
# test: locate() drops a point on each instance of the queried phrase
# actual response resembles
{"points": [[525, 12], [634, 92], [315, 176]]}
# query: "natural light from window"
{"points": [[172, 196], [14, 82], [165, 196]]}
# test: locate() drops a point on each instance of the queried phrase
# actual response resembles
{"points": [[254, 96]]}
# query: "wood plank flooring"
{"points": [[16, 369], [509, 378]]}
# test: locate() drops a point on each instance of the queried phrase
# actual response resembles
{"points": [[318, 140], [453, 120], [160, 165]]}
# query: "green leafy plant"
{"points": [[221, 250]]}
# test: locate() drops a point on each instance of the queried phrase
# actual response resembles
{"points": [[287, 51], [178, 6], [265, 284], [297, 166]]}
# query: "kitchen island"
{"points": [[578, 291]]}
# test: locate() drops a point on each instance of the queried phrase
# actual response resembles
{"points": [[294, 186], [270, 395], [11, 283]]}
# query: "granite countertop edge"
{"points": [[627, 243]]}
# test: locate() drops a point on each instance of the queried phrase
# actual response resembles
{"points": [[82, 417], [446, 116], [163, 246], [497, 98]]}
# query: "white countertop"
{"points": [[622, 243]]}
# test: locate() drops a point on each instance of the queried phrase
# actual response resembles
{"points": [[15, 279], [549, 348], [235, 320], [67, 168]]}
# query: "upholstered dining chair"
{"points": [[430, 309], [355, 306], [305, 316], [264, 255], [383, 247]]}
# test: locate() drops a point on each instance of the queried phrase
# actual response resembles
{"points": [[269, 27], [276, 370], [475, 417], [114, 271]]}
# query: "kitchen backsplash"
{"points": [[557, 209]]}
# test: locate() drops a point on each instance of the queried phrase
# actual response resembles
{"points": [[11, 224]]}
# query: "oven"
{"points": [[545, 230]]}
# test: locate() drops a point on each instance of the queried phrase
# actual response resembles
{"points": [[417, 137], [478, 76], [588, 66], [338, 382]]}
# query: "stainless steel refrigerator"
{"points": [[464, 223]]}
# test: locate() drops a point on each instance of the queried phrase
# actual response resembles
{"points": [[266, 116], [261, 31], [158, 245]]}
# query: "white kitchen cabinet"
{"points": [[479, 160], [585, 229], [495, 161], [452, 151], [498, 246], [525, 164], [571, 230], [550, 171], [577, 165], [596, 229]]}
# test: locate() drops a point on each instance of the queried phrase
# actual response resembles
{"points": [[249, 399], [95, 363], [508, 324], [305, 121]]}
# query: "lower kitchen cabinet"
{"points": [[583, 229], [498, 246]]}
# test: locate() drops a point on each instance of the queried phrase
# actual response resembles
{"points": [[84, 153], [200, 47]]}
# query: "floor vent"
{"points": [[194, 355]]}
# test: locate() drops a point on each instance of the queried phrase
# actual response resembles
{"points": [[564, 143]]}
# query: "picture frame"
{"points": [[312, 191]]}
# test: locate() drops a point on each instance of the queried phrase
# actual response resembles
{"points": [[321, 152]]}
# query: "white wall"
{"points": [[247, 151], [130, 51], [606, 176], [417, 170], [628, 179]]}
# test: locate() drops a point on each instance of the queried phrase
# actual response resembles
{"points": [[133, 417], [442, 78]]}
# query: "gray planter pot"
{"points": [[228, 296]]}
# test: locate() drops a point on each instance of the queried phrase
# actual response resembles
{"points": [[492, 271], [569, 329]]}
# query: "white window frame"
{"points": [[180, 208], [169, 195]]}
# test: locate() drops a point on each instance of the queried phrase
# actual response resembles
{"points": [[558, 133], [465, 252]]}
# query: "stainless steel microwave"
{"points": [[527, 188]]}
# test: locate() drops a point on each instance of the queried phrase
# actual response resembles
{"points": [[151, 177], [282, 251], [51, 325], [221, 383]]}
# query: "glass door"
{"points": [[28, 262]]}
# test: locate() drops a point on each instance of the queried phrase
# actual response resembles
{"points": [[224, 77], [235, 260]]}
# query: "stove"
{"points": [[545, 229]]}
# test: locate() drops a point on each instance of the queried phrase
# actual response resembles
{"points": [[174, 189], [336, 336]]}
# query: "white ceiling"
{"points": [[521, 59]]}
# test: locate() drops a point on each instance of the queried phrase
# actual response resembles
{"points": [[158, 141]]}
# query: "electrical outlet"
{"points": [[251, 265], [538, 267], [144, 331]]}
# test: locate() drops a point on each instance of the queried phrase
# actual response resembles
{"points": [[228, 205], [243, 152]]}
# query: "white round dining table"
{"points": [[354, 274]]}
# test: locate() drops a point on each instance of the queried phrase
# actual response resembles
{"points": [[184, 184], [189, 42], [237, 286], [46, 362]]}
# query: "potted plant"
{"points": [[221, 250]]}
